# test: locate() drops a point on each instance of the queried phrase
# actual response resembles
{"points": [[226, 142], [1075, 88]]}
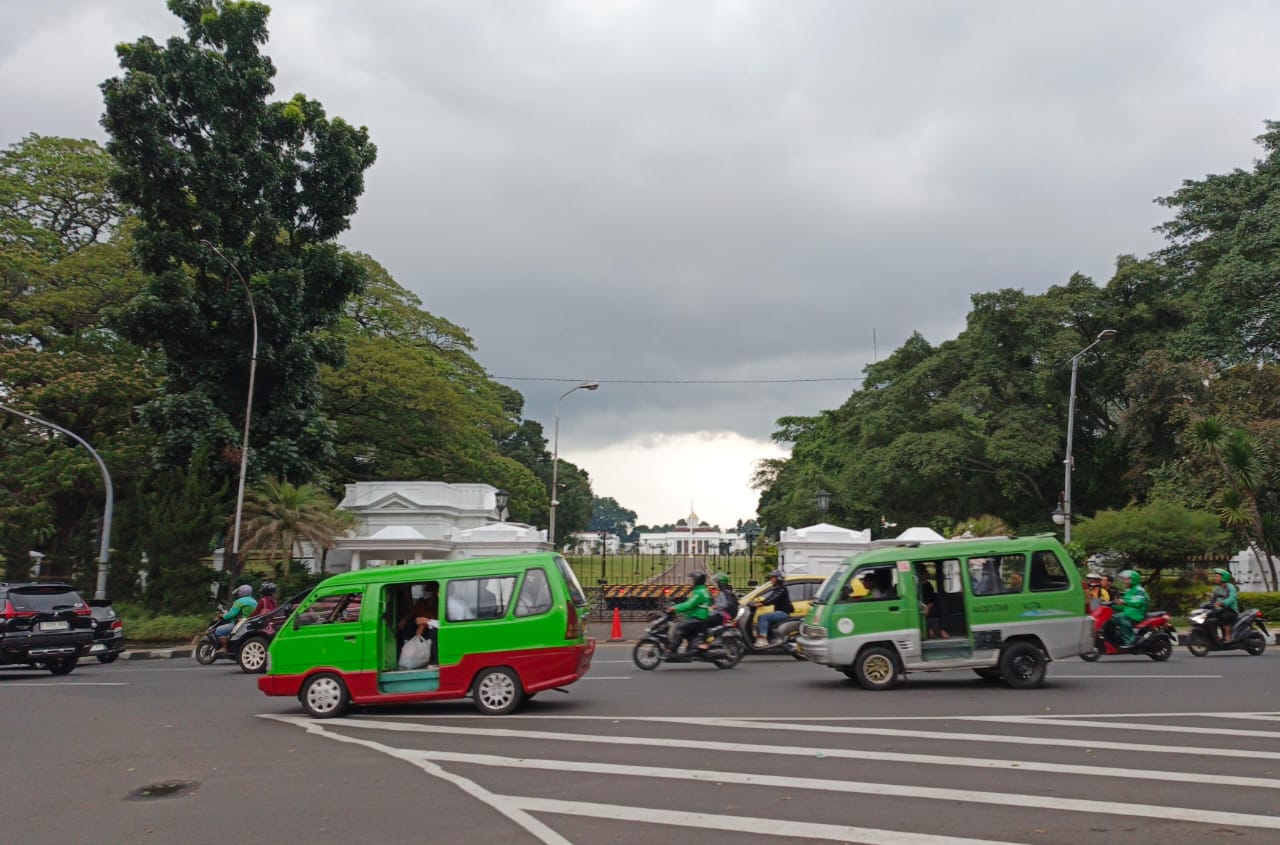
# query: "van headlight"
{"points": [[812, 632]]}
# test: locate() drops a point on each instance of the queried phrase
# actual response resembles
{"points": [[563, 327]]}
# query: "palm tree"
{"points": [[984, 525], [1238, 504], [280, 517]]}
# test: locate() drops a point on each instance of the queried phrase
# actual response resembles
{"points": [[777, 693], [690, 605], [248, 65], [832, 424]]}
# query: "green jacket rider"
{"points": [[698, 604], [1133, 603]]}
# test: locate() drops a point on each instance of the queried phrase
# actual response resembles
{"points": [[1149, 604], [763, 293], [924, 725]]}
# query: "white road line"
{"points": [[1146, 727], [859, 754], [911, 791], [1139, 677], [990, 738], [605, 678], [4, 684], [789, 828]]}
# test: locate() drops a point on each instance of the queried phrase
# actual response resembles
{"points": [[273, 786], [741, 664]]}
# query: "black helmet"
{"points": [[268, 588], [699, 578]]}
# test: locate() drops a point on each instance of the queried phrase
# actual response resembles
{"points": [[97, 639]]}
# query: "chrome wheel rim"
{"points": [[324, 695], [878, 669], [253, 655], [496, 691]]}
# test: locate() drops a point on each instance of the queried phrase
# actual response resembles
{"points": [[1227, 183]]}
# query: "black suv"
{"points": [[46, 625]]}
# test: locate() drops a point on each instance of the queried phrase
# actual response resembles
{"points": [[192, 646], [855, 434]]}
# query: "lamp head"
{"points": [[500, 499], [1106, 333], [591, 385]]}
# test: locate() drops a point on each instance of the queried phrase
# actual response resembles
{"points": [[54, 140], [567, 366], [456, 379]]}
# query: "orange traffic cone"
{"points": [[615, 634]]}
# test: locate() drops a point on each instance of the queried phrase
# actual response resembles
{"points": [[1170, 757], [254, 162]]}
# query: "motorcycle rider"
{"points": [[268, 601], [780, 598], [723, 609], [695, 610], [1226, 602], [241, 609], [1133, 606]]}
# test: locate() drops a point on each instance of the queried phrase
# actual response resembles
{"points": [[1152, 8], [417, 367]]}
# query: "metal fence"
{"points": [[640, 585]]}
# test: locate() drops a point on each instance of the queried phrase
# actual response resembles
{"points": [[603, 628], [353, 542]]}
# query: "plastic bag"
{"points": [[416, 653]]}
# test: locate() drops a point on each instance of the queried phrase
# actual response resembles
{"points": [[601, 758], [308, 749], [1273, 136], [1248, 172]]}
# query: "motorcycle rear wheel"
{"points": [[1162, 652], [647, 655], [733, 650], [1254, 643], [1198, 643], [1091, 655]]}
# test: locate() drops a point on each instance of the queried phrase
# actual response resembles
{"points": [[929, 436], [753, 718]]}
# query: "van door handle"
{"points": [[893, 607], [350, 639]]}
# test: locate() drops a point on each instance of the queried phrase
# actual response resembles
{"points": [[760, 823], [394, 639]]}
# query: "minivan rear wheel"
{"points": [[497, 691], [1022, 666]]}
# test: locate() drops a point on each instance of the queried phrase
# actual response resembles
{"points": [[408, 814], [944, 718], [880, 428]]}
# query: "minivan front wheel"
{"points": [[876, 668], [1022, 666], [497, 691], [324, 696]]}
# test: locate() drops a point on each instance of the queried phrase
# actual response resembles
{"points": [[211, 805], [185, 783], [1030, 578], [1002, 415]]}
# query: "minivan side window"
{"points": [[1047, 573], [479, 598], [344, 607], [535, 594], [993, 576], [571, 581]]}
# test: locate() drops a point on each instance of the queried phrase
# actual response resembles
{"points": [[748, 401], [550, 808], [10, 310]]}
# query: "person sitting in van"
{"points": [[422, 620], [696, 609], [930, 604], [879, 584]]}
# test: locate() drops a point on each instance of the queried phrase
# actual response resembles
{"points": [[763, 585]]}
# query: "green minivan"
{"points": [[1003, 607], [501, 630]]}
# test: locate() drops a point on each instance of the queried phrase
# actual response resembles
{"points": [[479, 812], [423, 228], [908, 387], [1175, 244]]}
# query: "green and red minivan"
{"points": [[505, 628]]}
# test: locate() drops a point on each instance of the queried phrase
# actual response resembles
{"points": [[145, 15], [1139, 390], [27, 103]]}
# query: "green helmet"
{"points": [[722, 577], [1132, 575], [1225, 573]]}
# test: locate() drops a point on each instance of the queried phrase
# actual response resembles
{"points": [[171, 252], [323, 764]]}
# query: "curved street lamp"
{"points": [[1065, 506], [248, 408], [555, 459], [104, 545], [824, 502]]}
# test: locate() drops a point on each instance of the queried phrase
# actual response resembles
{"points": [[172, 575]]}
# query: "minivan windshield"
{"points": [[828, 589], [575, 589]]}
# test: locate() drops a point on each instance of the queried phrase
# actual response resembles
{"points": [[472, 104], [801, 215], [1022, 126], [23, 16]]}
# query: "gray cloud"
{"points": [[727, 190]]}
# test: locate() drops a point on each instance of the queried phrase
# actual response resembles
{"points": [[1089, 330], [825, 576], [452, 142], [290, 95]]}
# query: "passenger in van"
{"points": [[982, 578], [422, 620], [1013, 582], [878, 585], [930, 604]]}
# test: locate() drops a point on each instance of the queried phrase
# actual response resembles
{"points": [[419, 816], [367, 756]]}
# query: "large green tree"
{"points": [[229, 186]]}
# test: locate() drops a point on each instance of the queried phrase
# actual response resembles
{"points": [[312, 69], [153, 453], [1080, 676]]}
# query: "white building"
{"points": [[819, 549], [415, 521], [694, 538], [588, 542], [1247, 570]]}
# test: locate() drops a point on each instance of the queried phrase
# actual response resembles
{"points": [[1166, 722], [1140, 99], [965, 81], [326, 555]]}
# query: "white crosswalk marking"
{"points": [[435, 745]]}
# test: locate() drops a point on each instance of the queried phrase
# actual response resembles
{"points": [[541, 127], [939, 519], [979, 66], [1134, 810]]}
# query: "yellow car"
{"points": [[802, 589]]}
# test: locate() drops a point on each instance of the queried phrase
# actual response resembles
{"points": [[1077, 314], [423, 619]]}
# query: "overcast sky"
{"points": [[649, 193]]}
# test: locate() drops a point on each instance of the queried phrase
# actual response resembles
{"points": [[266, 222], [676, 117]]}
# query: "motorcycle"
{"points": [[1248, 633], [724, 646], [784, 633], [209, 650], [1154, 636]]}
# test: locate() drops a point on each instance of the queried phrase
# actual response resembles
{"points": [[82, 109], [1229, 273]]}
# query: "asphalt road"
{"points": [[1120, 751]]}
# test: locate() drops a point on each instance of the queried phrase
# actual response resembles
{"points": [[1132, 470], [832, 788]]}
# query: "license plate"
{"points": [[61, 625]]}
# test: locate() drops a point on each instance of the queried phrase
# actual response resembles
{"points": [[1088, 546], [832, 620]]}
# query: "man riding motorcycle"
{"points": [[1226, 602], [780, 598], [241, 609], [1133, 608], [695, 610]]}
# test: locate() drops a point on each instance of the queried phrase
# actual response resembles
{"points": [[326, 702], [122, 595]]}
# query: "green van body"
{"points": [[520, 627], [1007, 606]]}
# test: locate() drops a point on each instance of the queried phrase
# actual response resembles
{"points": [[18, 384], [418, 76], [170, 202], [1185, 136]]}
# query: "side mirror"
{"points": [[846, 592]]}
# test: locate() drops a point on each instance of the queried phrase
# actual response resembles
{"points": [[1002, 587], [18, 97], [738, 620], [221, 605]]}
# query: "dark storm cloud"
{"points": [[727, 190]]}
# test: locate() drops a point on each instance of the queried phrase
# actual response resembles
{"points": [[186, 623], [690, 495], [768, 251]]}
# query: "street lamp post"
{"points": [[555, 459], [248, 408], [824, 502], [1065, 507], [604, 547], [104, 544], [500, 499]]}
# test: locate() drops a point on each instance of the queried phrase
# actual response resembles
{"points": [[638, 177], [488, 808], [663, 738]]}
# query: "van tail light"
{"points": [[572, 630]]}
